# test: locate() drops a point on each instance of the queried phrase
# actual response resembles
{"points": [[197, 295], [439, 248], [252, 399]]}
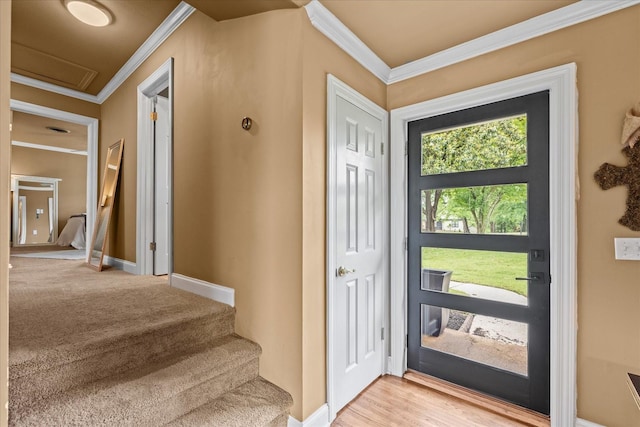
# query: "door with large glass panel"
{"points": [[478, 249]]}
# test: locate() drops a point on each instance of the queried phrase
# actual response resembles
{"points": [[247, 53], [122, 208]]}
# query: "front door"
{"points": [[356, 295], [478, 249]]}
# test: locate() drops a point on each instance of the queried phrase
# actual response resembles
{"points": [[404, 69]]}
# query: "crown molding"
{"points": [[168, 26], [48, 148], [49, 87], [327, 23], [573, 14], [558, 19]]}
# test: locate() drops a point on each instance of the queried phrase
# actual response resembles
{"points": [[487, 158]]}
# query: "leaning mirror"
{"points": [[105, 205]]}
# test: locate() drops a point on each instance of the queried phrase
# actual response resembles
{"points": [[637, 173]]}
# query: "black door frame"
{"points": [[522, 390]]}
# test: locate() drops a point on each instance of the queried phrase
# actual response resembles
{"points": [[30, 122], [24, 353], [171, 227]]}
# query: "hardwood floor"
{"points": [[392, 401]]}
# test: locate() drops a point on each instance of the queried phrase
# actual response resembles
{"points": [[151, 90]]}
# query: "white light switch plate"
{"points": [[627, 248]]}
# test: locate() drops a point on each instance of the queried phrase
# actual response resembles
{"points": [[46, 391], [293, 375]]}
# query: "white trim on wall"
{"points": [[563, 138], [320, 418], [92, 150], [120, 264], [584, 423], [166, 28], [327, 23], [549, 22], [50, 87], [209, 290], [48, 148]]}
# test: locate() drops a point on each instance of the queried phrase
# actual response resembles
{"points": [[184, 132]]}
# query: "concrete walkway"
{"points": [[505, 331]]}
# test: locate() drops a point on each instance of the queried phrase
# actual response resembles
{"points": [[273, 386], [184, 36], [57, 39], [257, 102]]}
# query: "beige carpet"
{"points": [[109, 348]]}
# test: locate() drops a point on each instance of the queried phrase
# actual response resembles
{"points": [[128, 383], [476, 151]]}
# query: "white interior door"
{"points": [[356, 298], [161, 187]]}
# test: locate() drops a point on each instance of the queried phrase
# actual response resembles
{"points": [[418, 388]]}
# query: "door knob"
{"points": [[344, 271]]}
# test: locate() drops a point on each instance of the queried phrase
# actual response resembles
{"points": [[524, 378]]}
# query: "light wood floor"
{"points": [[392, 401]]}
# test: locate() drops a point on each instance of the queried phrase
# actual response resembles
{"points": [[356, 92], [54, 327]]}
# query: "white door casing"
{"points": [[161, 79], [563, 118], [161, 188], [356, 244], [92, 150]]}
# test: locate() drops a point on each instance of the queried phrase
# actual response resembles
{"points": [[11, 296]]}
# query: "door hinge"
{"points": [[154, 116], [406, 340], [382, 148], [406, 148], [406, 244], [382, 334], [152, 246]]}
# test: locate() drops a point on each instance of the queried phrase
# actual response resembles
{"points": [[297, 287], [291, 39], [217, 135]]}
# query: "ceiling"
{"points": [[400, 31], [50, 45], [33, 129]]}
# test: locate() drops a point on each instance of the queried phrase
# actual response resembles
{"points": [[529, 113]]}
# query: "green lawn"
{"points": [[497, 269]]}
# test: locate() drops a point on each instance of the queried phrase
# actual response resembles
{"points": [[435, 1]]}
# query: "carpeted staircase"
{"points": [[111, 349]]}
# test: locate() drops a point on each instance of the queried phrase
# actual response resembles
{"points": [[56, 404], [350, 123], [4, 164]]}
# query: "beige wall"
{"points": [[248, 206], [607, 52], [71, 168], [321, 57], [5, 184], [237, 210]]}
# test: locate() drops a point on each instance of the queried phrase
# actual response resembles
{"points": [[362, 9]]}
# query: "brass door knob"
{"points": [[344, 271]]}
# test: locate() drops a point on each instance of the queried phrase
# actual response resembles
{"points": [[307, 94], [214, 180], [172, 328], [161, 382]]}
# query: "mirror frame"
{"points": [[16, 179], [105, 207]]}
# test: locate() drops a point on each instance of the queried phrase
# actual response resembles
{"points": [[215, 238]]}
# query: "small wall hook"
{"points": [[246, 123]]}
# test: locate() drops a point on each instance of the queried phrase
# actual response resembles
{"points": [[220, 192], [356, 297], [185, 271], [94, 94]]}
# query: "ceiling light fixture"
{"points": [[90, 12]]}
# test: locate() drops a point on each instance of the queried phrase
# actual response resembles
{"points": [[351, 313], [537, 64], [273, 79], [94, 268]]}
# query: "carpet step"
{"points": [[130, 341], [114, 349], [153, 395], [257, 403]]}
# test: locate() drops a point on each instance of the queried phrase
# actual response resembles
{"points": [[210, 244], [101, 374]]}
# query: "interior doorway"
{"points": [[154, 241], [90, 151], [356, 243]]}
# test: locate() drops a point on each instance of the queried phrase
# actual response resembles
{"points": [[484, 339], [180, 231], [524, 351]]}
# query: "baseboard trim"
{"points": [[584, 423], [320, 418], [120, 264], [212, 291]]}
